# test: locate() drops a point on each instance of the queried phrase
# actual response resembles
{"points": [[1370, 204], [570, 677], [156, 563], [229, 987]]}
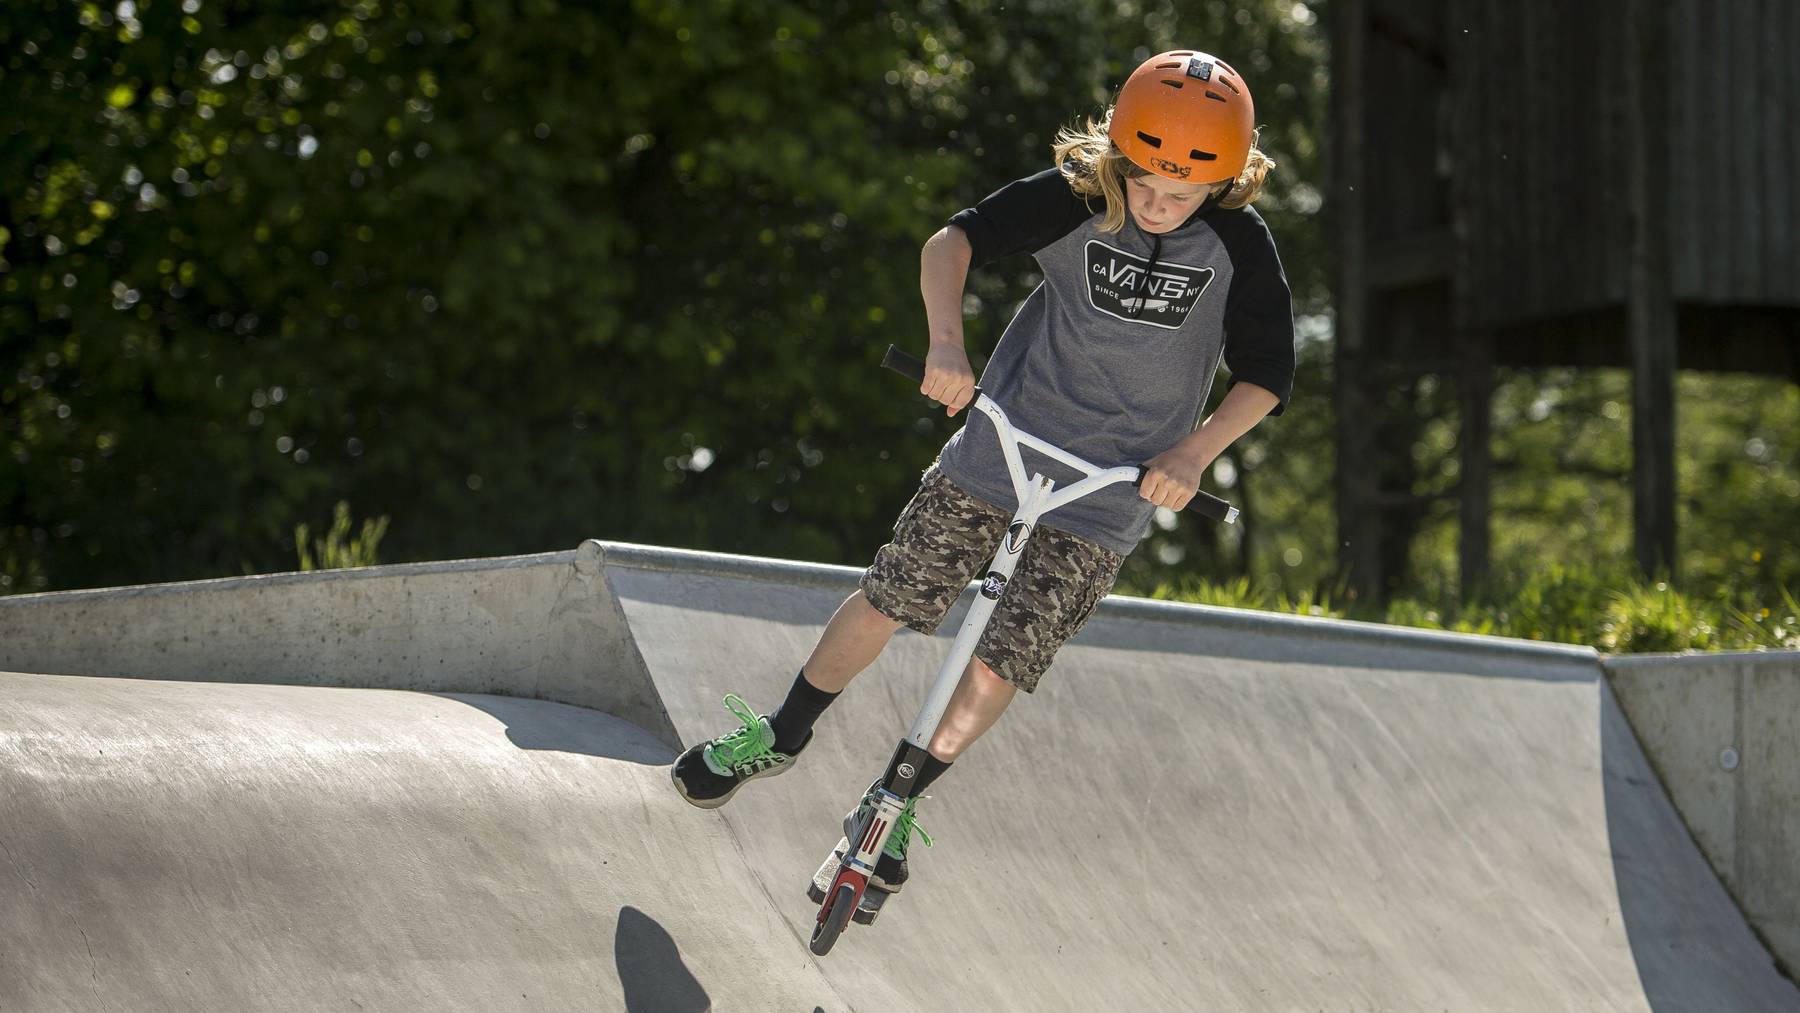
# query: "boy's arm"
{"points": [[1172, 477], [1023, 216], [943, 269]]}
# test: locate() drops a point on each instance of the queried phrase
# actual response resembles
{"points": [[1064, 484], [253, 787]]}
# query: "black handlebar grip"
{"points": [[913, 369], [904, 364], [1204, 503]]}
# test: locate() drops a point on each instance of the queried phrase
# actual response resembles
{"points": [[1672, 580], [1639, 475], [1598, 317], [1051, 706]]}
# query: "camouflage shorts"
{"points": [[945, 537]]}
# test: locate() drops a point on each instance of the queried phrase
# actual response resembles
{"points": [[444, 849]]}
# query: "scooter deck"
{"points": [[872, 899]]}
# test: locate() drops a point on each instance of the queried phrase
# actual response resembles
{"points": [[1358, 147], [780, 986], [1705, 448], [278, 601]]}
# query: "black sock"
{"points": [[804, 703], [934, 768]]}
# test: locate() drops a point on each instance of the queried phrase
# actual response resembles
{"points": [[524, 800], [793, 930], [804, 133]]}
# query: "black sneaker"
{"points": [[707, 775], [890, 869]]}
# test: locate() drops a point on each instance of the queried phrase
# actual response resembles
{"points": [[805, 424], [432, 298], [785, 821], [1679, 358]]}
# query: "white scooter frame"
{"points": [[1036, 496]]}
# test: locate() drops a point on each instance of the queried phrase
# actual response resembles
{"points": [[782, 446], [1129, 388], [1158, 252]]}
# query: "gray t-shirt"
{"points": [[1112, 356]]}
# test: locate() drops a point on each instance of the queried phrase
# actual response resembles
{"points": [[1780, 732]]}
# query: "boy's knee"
{"points": [[986, 682], [872, 615], [987, 676]]}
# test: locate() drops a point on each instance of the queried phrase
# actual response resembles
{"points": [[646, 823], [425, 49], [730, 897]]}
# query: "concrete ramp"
{"points": [[184, 846], [1201, 809]]}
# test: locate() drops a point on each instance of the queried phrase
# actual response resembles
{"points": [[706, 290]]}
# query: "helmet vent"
{"points": [[1183, 52], [1200, 156], [1169, 66], [1154, 142], [1216, 95], [1170, 83], [1229, 83]]}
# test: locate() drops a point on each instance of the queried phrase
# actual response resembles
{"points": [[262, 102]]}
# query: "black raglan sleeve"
{"points": [[1259, 311], [1021, 217]]}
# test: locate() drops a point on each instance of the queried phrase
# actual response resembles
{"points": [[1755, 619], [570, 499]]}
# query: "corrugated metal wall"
{"points": [[1541, 144], [1612, 183], [1540, 149], [1405, 77], [1734, 98]]}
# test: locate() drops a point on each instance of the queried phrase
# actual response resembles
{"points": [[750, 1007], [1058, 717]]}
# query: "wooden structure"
{"points": [[1536, 183]]}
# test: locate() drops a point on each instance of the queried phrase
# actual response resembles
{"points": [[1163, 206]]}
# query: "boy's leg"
{"points": [[1055, 589], [1058, 583], [980, 698], [940, 540], [707, 774], [852, 641]]}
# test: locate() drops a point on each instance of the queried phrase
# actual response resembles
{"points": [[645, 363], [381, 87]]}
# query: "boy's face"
{"points": [[1162, 205]]}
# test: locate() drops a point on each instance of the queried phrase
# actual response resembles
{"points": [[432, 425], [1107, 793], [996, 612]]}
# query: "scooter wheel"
{"points": [[825, 933]]}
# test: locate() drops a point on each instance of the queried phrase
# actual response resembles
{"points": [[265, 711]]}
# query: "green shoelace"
{"points": [[904, 828], [742, 748]]}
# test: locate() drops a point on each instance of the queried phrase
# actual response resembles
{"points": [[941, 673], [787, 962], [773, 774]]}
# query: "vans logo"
{"points": [[1118, 286]]}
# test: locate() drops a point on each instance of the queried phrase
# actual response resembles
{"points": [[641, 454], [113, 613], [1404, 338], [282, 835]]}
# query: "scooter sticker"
{"points": [[1016, 535], [994, 586]]}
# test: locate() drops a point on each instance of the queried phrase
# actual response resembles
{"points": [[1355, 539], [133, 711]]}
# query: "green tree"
{"points": [[517, 273]]}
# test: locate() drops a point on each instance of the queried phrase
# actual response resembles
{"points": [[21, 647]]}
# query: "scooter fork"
{"points": [[871, 832]]}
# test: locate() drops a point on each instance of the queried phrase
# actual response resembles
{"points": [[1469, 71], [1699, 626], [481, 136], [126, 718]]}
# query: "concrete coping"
{"points": [[347, 574], [592, 554], [1775, 659], [720, 564]]}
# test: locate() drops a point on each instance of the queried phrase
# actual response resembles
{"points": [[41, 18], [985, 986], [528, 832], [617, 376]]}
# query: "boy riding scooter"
{"points": [[1155, 270]]}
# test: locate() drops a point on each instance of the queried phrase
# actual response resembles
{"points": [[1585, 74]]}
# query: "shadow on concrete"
{"points": [[651, 971], [540, 724], [1690, 942]]}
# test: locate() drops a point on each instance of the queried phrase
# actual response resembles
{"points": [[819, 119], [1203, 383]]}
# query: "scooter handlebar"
{"points": [[1204, 503], [914, 369]]}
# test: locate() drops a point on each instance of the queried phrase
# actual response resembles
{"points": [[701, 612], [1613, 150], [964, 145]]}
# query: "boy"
{"points": [[1110, 358]]}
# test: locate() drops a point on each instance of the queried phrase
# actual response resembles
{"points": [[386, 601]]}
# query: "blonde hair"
{"points": [[1094, 167]]}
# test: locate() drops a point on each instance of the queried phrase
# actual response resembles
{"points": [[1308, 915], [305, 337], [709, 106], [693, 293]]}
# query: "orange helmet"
{"points": [[1186, 116]]}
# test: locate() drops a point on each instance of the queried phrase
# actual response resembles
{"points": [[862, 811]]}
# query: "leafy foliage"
{"points": [[338, 548], [1654, 619], [1562, 484], [1608, 610], [516, 274], [519, 273], [1776, 628]]}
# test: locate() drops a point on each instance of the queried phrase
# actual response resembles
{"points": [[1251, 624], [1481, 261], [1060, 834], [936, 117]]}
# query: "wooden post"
{"points": [[1475, 372], [1475, 346], [1650, 302], [1359, 547]]}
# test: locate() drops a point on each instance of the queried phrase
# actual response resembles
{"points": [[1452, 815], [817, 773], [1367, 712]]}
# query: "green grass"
{"points": [[339, 548], [1614, 614]]}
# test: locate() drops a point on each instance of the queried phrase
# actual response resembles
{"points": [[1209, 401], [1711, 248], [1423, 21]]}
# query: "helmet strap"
{"points": [[1216, 199]]}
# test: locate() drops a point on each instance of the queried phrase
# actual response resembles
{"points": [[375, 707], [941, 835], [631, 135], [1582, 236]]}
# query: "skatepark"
{"points": [[444, 786]]}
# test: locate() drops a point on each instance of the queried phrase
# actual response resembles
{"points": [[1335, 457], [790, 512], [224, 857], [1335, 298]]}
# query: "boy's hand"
{"points": [[948, 379], [1171, 478]]}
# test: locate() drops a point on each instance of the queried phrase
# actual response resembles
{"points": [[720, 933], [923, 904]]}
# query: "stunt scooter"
{"points": [[840, 893]]}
